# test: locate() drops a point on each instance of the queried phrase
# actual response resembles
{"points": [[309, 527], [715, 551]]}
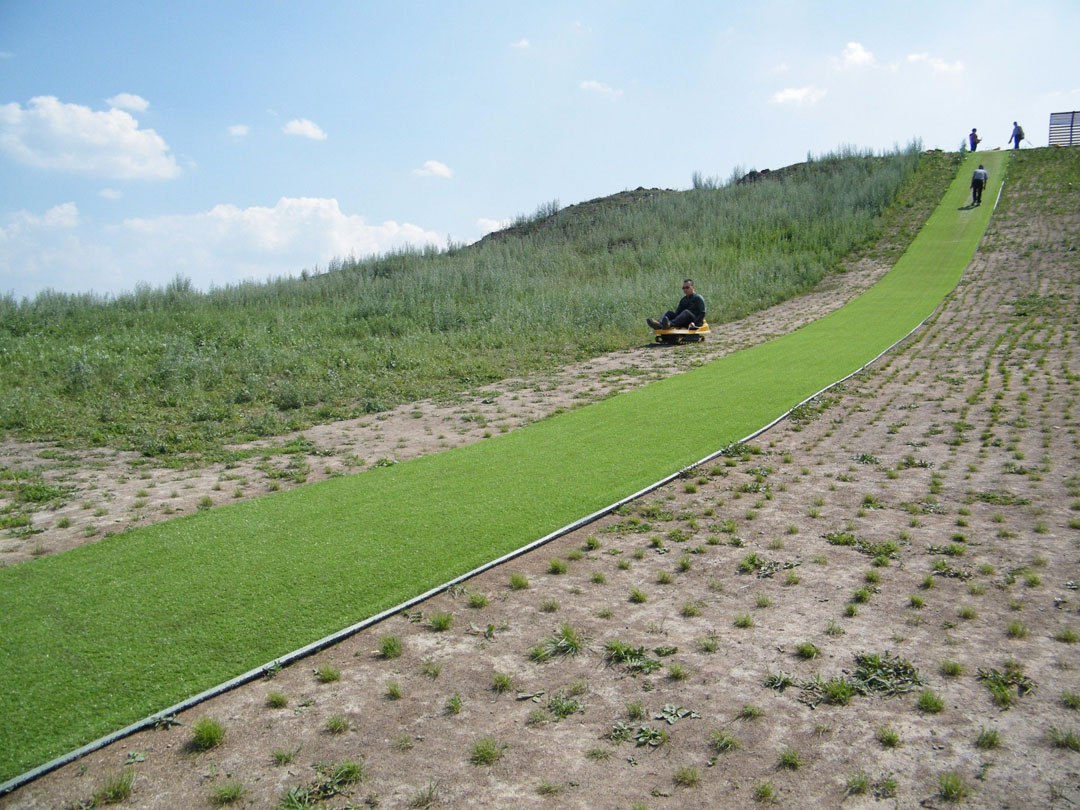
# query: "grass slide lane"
{"points": [[100, 636]]}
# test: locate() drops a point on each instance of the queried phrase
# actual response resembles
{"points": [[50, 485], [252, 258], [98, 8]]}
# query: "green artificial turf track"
{"points": [[100, 636]]}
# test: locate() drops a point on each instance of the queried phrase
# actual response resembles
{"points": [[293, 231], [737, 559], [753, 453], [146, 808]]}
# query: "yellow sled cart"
{"points": [[686, 335]]}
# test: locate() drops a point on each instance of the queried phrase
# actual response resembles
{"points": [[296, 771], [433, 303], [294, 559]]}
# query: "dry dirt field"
{"points": [[873, 605]]}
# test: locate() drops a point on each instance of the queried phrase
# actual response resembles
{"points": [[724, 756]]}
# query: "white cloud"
{"points": [[592, 86], [938, 64], [304, 128], [799, 96], [224, 245], [520, 44], [50, 134], [239, 130], [110, 194], [855, 55], [490, 225], [433, 167], [22, 223], [128, 101]]}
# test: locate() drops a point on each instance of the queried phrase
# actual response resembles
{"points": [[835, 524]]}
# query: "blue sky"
{"points": [[227, 140]]}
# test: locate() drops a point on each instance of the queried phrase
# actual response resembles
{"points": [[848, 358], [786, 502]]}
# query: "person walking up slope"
{"points": [[978, 183], [974, 140]]}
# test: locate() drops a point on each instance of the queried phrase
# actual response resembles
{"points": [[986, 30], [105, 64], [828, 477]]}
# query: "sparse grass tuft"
{"points": [[116, 788], [789, 759], [337, 724], [206, 733], [988, 739], [228, 793], [1064, 738], [952, 787], [930, 702], [722, 741], [486, 751], [888, 736], [389, 647], [440, 621], [685, 776]]}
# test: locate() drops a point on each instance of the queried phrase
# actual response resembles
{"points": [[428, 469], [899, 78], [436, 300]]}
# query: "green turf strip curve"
{"points": [[103, 635]]}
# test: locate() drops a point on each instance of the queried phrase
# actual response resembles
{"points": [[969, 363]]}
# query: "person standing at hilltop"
{"points": [[1017, 135], [974, 140], [689, 312], [978, 183]]}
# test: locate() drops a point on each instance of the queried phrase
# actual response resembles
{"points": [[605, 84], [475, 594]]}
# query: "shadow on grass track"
{"points": [[100, 636]]}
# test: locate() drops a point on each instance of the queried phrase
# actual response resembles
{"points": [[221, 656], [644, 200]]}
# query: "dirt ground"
{"points": [[928, 508]]}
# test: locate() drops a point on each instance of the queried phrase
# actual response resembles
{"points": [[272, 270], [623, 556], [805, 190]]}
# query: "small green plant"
{"points": [[685, 776], [486, 751], [501, 683], [837, 691], [598, 578], [518, 582], [276, 700], [1066, 635], [743, 620], [337, 724], [389, 647], [393, 690], [638, 596], [327, 674], [549, 606], [431, 668], [440, 621], [1064, 738], [1070, 700], [888, 736], [917, 602], [690, 609], [952, 787], [1016, 629], [930, 702], [722, 741], [857, 784], [453, 705], [988, 739], [206, 733], [566, 641], [664, 578], [598, 754], [425, 797], [477, 600], [228, 793], [709, 644], [750, 712], [282, 757], [677, 672], [557, 566], [951, 669], [807, 651], [789, 759], [116, 788], [834, 628], [763, 792]]}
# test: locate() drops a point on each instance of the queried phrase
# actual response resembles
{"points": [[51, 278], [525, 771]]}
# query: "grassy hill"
{"points": [[171, 370]]}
